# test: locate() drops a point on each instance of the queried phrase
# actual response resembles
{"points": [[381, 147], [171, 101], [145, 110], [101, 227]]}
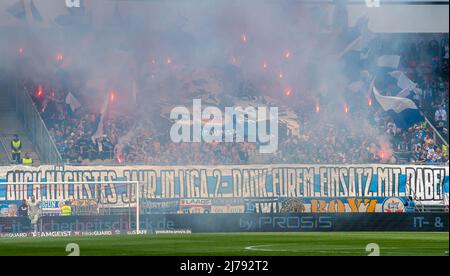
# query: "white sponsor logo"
{"points": [[239, 125], [373, 3], [73, 3]]}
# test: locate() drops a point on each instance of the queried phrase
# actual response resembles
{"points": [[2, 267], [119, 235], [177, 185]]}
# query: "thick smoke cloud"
{"points": [[148, 54]]}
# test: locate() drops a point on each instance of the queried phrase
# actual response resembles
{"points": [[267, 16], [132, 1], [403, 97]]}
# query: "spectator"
{"points": [[23, 209]]}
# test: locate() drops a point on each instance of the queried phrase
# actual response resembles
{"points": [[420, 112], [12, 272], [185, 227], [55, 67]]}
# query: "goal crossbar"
{"points": [[89, 182]]}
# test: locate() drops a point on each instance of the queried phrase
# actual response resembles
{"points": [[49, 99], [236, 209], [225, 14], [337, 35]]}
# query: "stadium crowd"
{"points": [[124, 140]]}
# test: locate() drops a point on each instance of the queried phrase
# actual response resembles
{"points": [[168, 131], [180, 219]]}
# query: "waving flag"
{"points": [[35, 12], [18, 10], [403, 111], [403, 81], [72, 102], [99, 132], [390, 61]]}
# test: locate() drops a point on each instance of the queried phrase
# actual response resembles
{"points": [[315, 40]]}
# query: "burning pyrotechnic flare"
{"points": [[40, 91], [346, 109], [287, 54], [169, 60], [317, 108], [264, 66], [21, 51], [288, 92], [59, 57], [120, 159], [280, 75], [244, 37], [112, 97], [369, 101]]}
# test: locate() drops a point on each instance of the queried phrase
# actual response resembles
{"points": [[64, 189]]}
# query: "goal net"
{"points": [[70, 208]]}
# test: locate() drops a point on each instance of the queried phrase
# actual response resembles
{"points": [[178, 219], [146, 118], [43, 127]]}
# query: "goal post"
{"points": [[107, 205]]}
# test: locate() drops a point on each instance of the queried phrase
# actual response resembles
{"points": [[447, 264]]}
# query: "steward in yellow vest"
{"points": [[16, 148], [66, 210], [27, 160]]}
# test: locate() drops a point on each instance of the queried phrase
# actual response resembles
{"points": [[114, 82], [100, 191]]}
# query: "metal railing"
{"points": [[35, 126]]}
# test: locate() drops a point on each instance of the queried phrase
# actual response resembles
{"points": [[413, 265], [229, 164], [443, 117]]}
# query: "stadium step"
{"points": [[5, 104], [10, 124]]}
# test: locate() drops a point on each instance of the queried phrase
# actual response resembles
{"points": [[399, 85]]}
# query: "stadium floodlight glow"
{"points": [[127, 195]]}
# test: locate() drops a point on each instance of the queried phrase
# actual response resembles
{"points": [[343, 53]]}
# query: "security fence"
{"points": [[34, 125]]}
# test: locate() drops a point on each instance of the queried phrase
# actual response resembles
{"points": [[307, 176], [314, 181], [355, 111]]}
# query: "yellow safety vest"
{"points": [[16, 146], [66, 210], [27, 161]]}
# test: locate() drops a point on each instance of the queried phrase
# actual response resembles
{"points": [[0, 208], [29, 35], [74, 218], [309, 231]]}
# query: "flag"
{"points": [[73, 102], [35, 12], [18, 10], [403, 81], [99, 132], [403, 111], [405, 93], [391, 61], [355, 45]]}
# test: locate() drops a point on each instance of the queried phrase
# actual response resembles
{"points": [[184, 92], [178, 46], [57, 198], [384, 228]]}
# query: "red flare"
{"points": [[369, 101], [287, 54], [112, 97], [59, 57], [264, 65], [169, 60], [120, 159], [288, 92], [244, 37], [21, 51], [317, 108], [346, 109], [40, 91], [280, 75]]}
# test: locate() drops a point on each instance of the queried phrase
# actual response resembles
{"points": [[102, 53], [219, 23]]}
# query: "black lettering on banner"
{"points": [[351, 182], [396, 175], [422, 182], [323, 182], [309, 181], [343, 174], [218, 176], [369, 175]]}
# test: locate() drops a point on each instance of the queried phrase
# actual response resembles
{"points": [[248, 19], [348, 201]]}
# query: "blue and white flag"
{"points": [[403, 81], [389, 61], [403, 111]]}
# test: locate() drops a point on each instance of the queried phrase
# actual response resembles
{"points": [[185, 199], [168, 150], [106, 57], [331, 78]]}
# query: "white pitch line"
{"points": [[254, 248], [257, 248]]}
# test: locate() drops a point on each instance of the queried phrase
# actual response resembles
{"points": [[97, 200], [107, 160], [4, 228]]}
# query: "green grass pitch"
{"points": [[237, 244]]}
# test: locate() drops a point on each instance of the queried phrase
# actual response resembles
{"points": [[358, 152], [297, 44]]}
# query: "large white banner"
{"points": [[427, 183]]}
